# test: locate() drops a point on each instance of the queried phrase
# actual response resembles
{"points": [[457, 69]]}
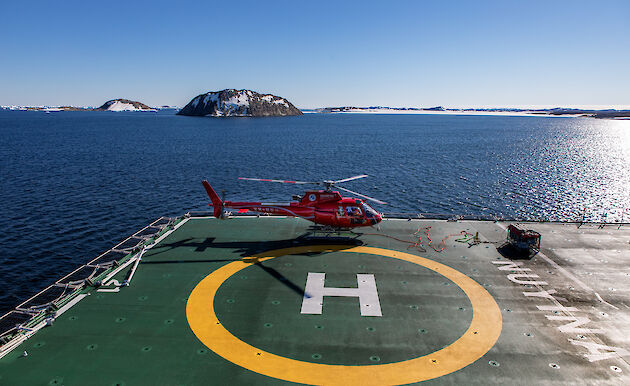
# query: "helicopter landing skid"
{"points": [[319, 231]]}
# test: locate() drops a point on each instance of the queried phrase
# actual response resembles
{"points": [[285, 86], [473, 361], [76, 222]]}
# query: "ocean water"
{"points": [[74, 183]]}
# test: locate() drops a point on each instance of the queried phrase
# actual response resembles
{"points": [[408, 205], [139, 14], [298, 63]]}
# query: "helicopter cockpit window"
{"points": [[369, 212], [340, 211], [353, 211]]}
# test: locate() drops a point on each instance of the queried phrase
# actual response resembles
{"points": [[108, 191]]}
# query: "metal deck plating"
{"points": [[223, 302]]}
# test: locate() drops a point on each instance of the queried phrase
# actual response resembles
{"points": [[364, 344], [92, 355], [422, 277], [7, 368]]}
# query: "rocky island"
{"points": [[124, 105], [238, 103]]}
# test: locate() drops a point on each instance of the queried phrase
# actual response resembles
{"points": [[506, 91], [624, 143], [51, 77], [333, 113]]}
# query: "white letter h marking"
{"points": [[366, 292]]}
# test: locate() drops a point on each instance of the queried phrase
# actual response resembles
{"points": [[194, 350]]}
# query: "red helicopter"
{"points": [[325, 207]]}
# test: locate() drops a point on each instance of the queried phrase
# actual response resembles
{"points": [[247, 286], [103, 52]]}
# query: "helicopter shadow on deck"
{"points": [[251, 248]]}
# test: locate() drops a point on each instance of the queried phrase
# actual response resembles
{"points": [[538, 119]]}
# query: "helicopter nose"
{"points": [[376, 219]]}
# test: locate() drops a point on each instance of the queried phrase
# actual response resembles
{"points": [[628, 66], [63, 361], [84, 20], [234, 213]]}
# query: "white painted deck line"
{"points": [[566, 273]]}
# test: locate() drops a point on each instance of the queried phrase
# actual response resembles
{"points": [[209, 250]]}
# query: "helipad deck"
{"points": [[264, 301]]}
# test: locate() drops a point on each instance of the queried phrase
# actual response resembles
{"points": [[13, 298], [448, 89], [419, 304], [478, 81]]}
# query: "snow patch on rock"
{"points": [[124, 105], [120, 106]]}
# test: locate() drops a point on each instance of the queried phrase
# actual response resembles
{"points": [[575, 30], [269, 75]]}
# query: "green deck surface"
{"points": [[141, 335]]}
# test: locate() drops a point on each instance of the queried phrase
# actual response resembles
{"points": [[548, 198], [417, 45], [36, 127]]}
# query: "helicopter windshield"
{"points": [[369, 212]]}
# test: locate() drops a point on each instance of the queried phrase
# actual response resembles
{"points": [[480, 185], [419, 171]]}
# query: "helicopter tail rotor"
{"points": [[217, 203]]}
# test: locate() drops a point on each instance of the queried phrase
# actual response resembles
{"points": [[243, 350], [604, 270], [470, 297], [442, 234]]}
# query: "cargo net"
{"points": [[88, 274]]}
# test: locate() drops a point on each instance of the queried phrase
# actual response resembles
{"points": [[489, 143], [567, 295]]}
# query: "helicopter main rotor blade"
{"points": [[281, 181], [350, 179], [362, 195]]}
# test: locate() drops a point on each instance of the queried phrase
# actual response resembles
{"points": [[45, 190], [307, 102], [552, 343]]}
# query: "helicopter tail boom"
{"points": [[214, 197]]}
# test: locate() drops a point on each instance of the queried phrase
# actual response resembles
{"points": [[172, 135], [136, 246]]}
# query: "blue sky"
{"points": [[398, 53]]}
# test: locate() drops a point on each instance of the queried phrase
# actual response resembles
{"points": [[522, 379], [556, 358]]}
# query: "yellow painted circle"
{"points": [[483, 332]]}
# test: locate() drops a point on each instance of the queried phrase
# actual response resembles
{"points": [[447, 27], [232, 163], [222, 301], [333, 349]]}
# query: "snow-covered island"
{"points": [[551, 112], [124, 105], [238, 103]]}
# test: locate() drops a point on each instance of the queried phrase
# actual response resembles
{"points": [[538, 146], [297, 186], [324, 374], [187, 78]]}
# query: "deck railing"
{"points": [[455, 217], [41, 308]]}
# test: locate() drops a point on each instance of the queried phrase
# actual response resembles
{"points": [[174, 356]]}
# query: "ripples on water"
{"points": [[74, 183]]}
